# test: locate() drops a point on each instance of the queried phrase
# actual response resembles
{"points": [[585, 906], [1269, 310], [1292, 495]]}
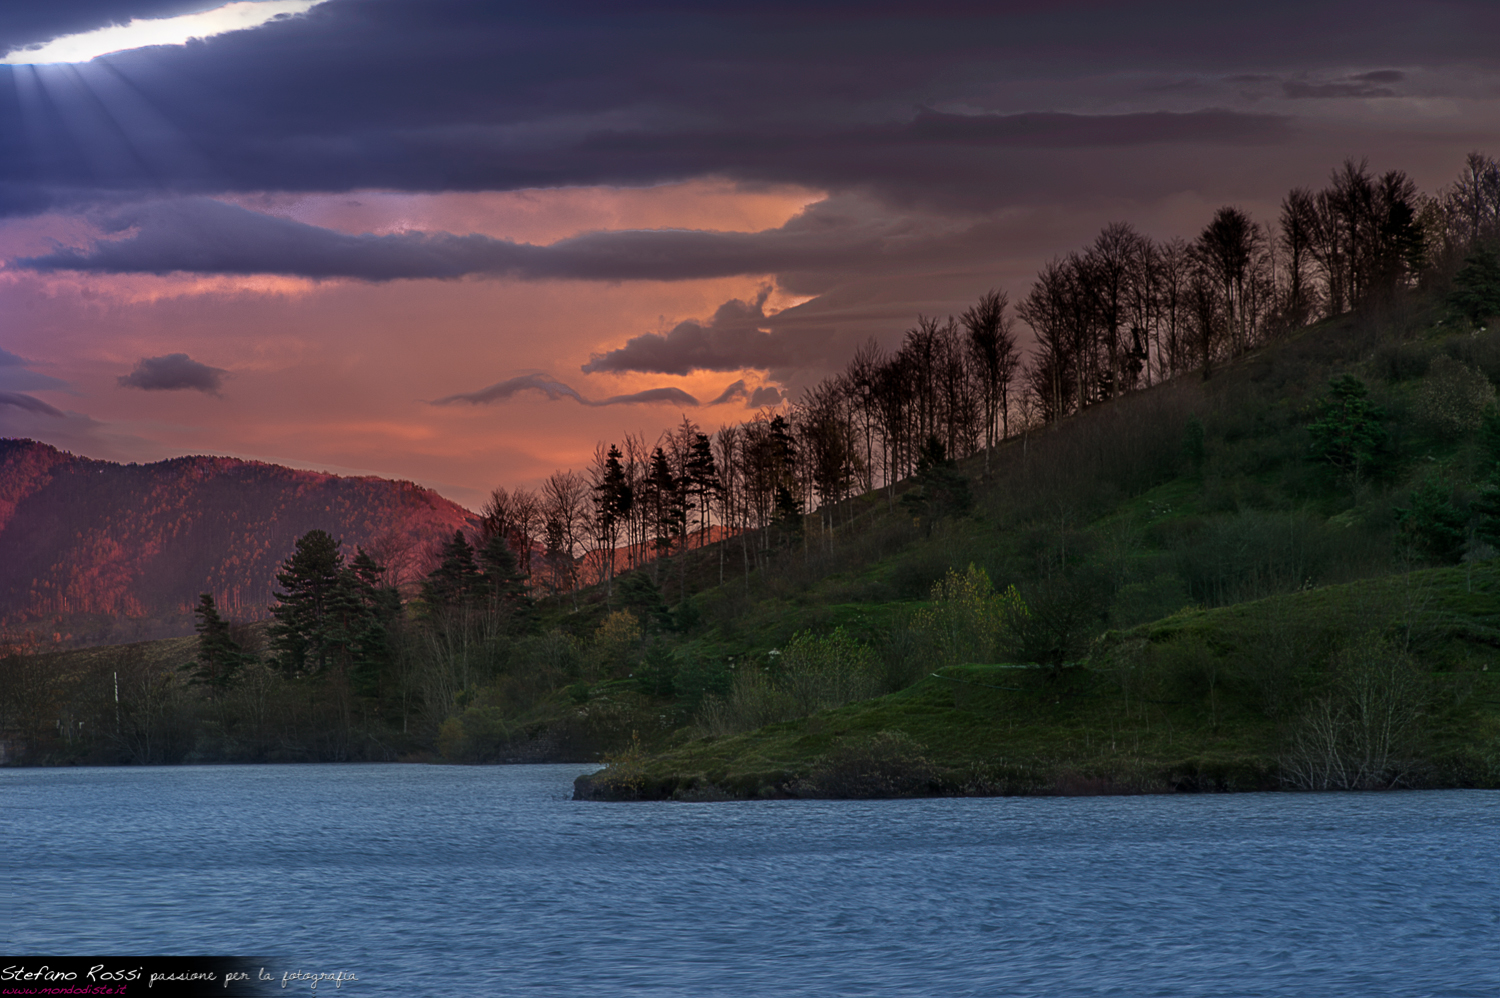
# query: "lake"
{"points": [[431, 880]]}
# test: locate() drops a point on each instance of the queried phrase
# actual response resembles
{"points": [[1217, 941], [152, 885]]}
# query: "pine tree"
{"points": [[670, 513], [456, 580], [940, 489], [613, 500], [703, 479], [1432, 522], [220, 657], [1348, 433], [505, 585], [1476, 296], [373, 613], [310, 606]]}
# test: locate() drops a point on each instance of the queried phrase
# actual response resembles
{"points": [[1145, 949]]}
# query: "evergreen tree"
{"points": [[940, 489], [456, 580], [220, 657], [1476, 296], [505, 585], [1348, 433], [613, 499], [703, 479], [642, 597], [1487, 514], [372, 615], [670, 514], [310, 606], [1432, 523]]}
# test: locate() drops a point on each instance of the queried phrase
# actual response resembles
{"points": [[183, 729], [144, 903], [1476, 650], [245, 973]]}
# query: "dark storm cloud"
{"points": [[29, 404], [502, 97], [729, 341], [505, 390], [8, 359], [201, 235], [174, 372], [765, 395], [735, 390]]}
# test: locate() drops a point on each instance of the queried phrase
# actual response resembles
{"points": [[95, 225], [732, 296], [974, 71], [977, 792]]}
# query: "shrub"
{"points": [[1454, 397], [617, 641], [1363, 733], [968, 618], [812, 673], [1401, 362]]}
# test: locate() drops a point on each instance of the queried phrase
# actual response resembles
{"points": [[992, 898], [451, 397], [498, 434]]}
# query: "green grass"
{"points": [[1140, 715]]}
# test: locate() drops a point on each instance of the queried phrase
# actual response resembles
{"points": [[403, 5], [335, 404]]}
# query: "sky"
{"points": [[461, 243]]}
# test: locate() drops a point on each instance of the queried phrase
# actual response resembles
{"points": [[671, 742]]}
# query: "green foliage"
{"points": [[1487, 514], [1347, 433], [333, 617], [1489, 440], [307, 633], [969, 619], [220, 657], [658, 670], [456, 580], [811, 673], [701, 677], [1432, 522], [478, 735], [1454, 398], [1065, 612], [505, 586], [940, 489], [1193, 447], [637, 593], [617, 643], [1476, 295]]}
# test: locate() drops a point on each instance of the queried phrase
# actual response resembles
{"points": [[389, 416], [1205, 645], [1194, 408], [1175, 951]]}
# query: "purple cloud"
{"points": [[173, 372], [29, 404], [553, 389]]}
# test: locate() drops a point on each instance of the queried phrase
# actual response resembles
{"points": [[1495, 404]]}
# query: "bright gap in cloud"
{"points": [[157, 31]]}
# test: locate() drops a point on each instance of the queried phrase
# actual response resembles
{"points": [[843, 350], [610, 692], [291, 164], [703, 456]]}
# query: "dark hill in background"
{"points": [[93, 552]]}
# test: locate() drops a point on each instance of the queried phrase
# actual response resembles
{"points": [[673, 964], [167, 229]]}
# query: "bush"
{"points": [[1363, 733], [617, 641], [1401, 362], [811, 673], [968, 618], [1454, 398]]}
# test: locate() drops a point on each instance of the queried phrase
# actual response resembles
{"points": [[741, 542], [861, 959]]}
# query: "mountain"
{"points": [[93, 551]]}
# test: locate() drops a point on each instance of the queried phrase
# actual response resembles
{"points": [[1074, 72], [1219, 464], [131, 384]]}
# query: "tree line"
{"points": [[1121, 314]]}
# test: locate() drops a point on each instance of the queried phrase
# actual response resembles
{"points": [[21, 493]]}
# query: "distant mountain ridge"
{"points": [[95, 551]]}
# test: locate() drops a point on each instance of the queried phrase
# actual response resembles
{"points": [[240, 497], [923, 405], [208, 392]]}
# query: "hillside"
{"points": [[92, 551], [1188, 586]]}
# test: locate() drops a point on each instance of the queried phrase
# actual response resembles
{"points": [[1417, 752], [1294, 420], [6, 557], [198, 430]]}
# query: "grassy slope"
{"points": [[990, 729]]}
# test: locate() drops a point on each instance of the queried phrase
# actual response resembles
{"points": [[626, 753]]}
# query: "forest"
{"points": [[1268, 411]]}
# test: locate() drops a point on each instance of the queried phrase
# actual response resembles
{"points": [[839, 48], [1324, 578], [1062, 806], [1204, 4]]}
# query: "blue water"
{"points": [[489, 881]]}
